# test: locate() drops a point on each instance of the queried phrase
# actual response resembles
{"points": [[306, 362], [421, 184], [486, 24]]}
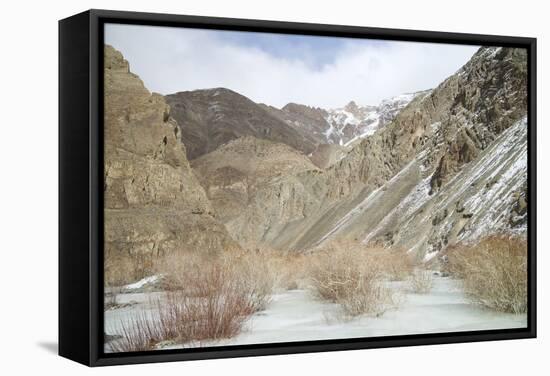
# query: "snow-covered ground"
{"points": [[297, 316], [142, 282]]}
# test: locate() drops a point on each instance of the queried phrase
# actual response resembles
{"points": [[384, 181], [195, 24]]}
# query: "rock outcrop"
{"points": [[153, 202]]}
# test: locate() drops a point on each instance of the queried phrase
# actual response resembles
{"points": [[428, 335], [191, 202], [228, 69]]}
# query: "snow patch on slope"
{"points": [[507, 172], [142, 282], [352, 123], [474, 203]]}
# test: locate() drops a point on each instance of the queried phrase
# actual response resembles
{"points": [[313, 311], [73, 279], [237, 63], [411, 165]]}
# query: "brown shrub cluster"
{"points": [[396, 264], [421, 281], [353, 276], [208, 299], [493, 272]]}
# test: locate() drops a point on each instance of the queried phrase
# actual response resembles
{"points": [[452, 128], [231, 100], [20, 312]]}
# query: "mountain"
{"points": [[211, 118], [353, 122], [308, 121], [419, 172], [341, 126], [153, 203], [449, 167]]}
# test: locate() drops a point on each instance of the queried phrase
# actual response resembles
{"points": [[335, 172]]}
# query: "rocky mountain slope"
{"points": [[410, 184], [211, 118], [441, 166], [486, 196], [154, 204], [342, 126], [309, 121], [232, 174], [351, 123], [214, 117], [326, 155]]}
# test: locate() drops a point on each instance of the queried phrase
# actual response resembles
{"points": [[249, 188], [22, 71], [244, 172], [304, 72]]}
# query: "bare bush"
{"points": [[493, 271], [351, 278], [190, 273], [255, 274], [208, 299], [396, 265], [179, 268], [288, 270], [421, 281]]}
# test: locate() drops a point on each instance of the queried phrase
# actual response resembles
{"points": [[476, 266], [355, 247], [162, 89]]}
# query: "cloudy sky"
{"points": [[277, 69]]}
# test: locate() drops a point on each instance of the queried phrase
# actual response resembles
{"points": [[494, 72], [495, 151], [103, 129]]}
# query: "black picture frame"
{"points": [[81, 196]]}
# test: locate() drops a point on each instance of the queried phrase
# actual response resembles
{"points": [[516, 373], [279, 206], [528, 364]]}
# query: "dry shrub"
{"points": [[421, 281], [292, 272], [396, 264], [208, 299], [493, 271], [190, 273], [255, 275], [289, 269], [352, 278], [179, 269]]}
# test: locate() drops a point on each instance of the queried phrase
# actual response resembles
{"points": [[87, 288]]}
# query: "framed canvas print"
{"points": [[236, 187]]}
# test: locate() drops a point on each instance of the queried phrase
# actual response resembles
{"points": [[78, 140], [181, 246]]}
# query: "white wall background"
{"points": [[28, 185]]}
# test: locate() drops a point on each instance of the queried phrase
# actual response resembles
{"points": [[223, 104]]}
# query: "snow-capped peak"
{"points": [[354, 122]]}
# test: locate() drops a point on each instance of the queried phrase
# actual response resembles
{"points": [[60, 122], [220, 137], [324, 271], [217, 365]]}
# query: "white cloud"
{"points": [[171, 60]]}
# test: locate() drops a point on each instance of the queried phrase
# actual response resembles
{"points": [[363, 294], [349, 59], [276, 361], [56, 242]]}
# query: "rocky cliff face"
{"points": [[153, 204], [420, 164]]}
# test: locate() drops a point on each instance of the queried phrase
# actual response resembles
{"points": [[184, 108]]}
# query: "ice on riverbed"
{"points": [[297, 316]]}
